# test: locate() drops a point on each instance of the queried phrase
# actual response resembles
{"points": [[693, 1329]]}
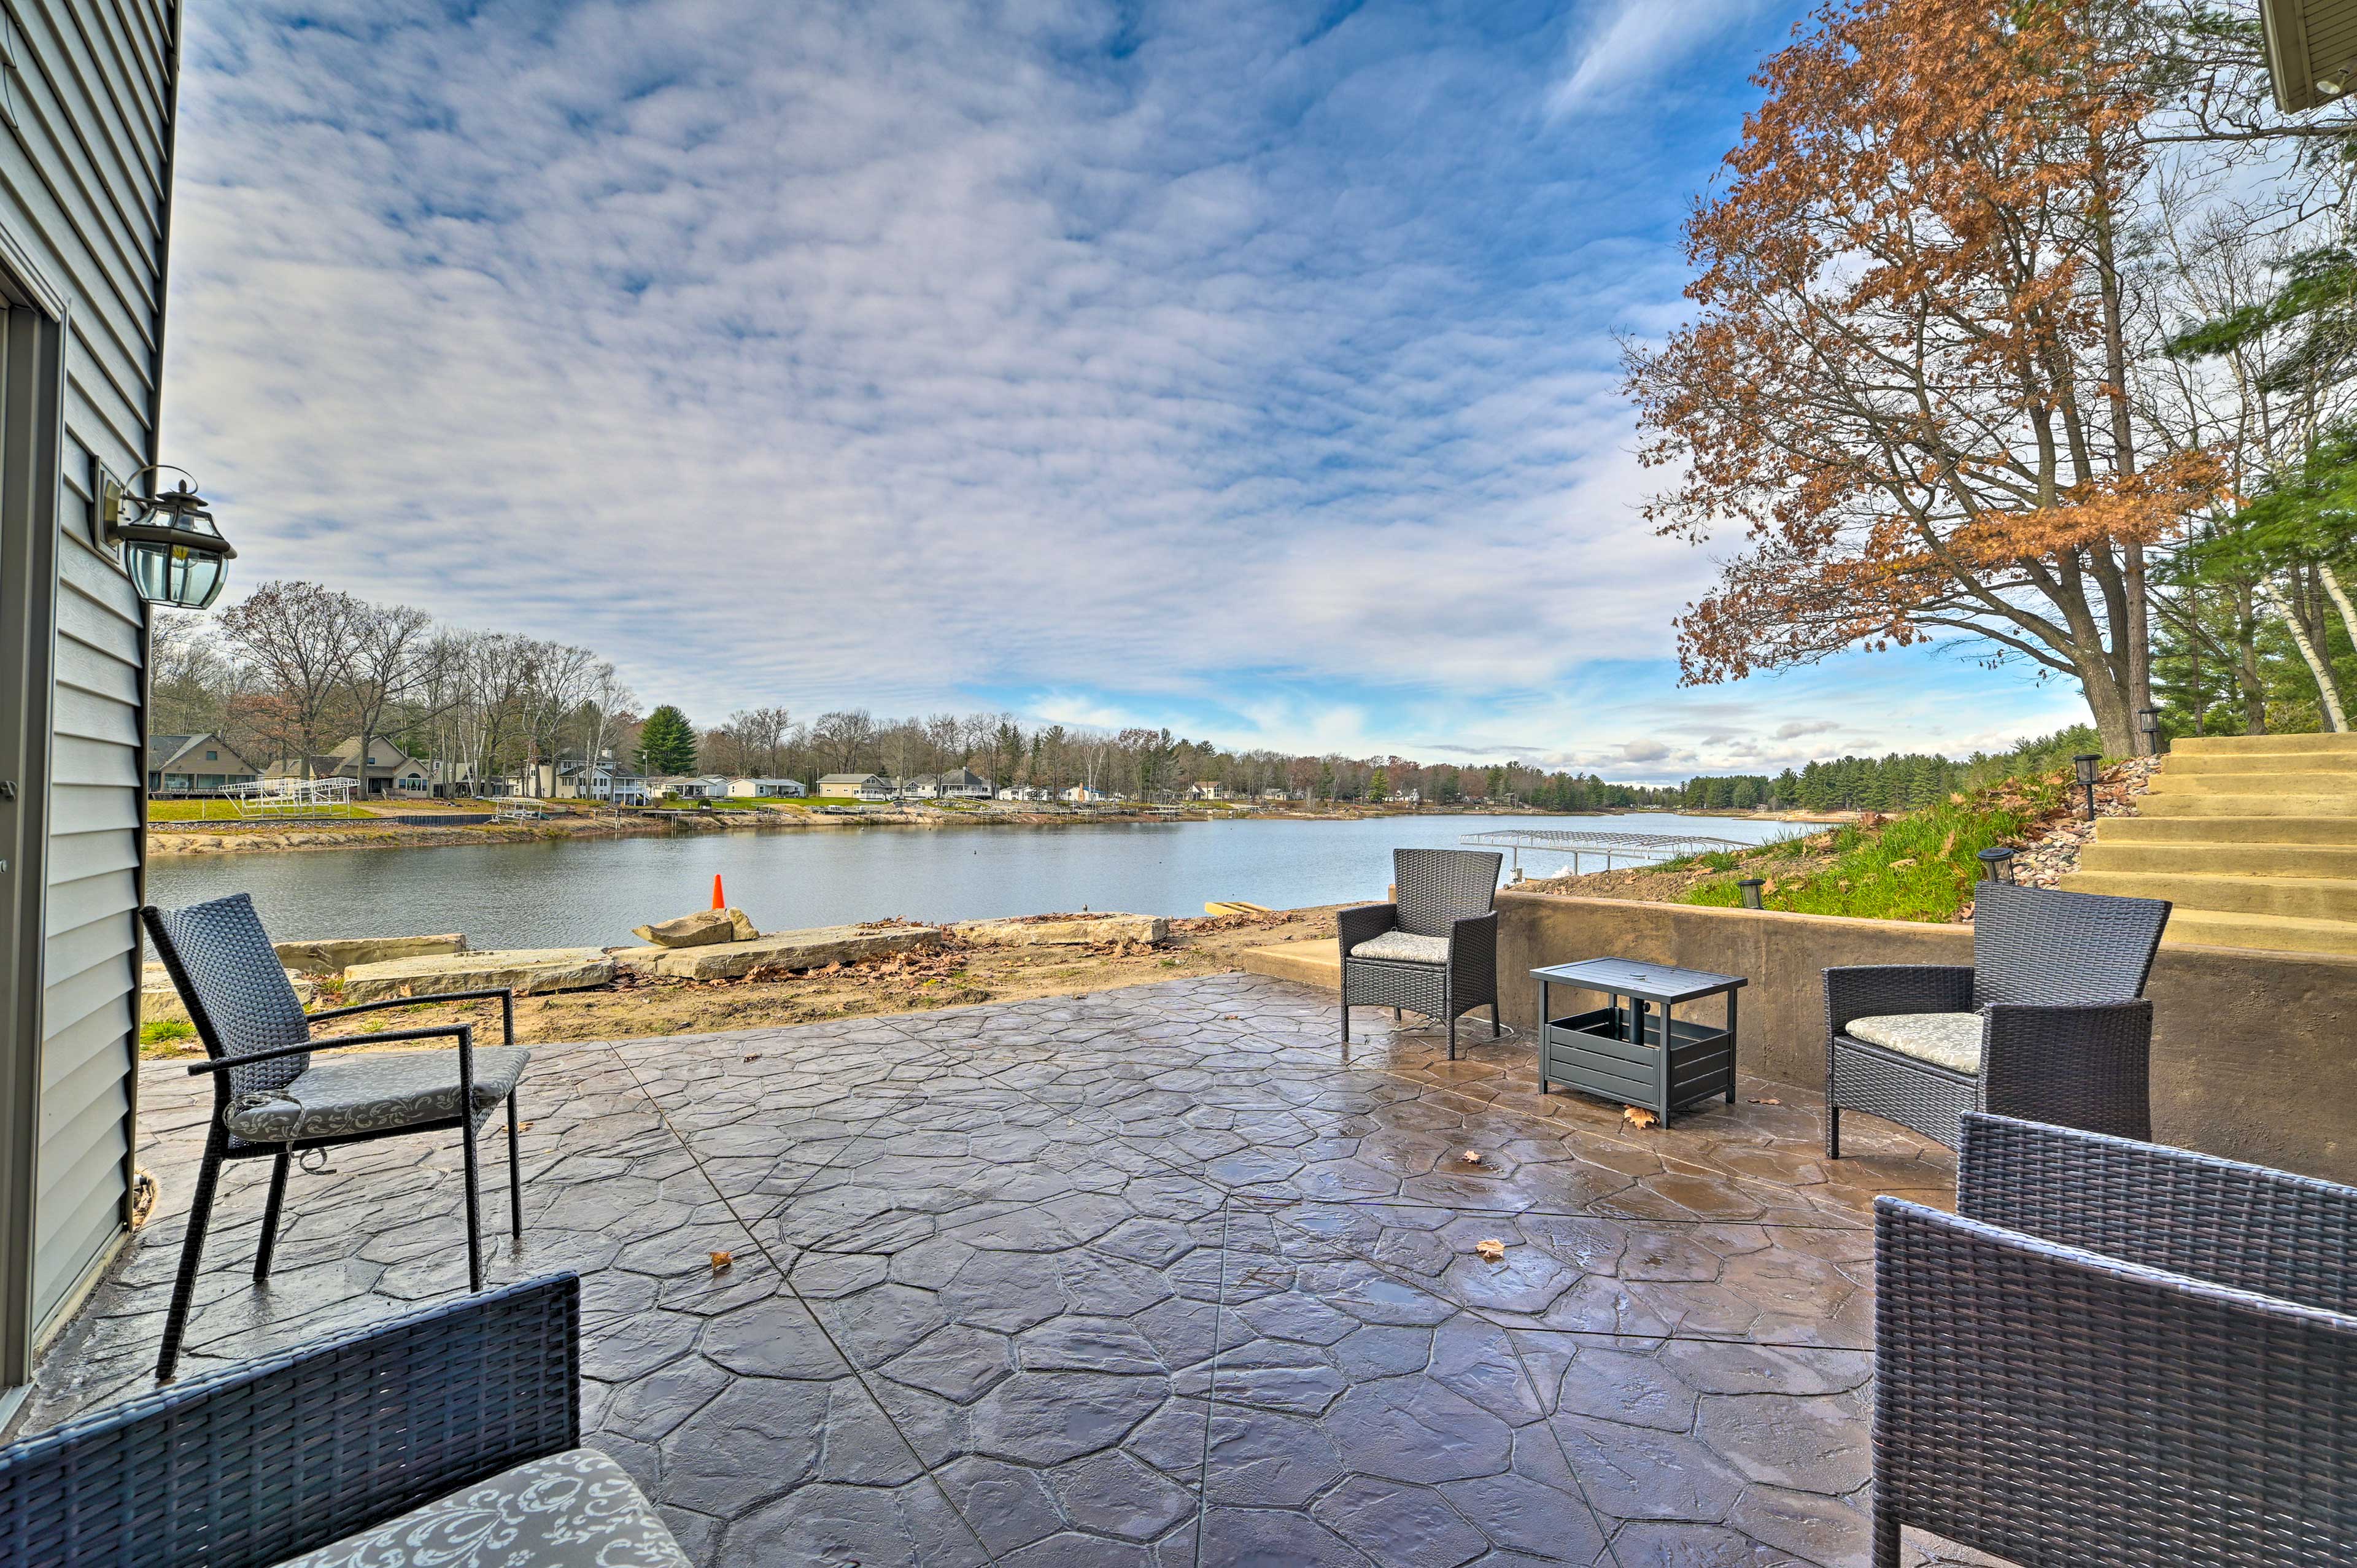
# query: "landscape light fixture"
{"points": [[2085, 762], [174, 554], [2148, 721], [1751, 886], [1997, 864]]}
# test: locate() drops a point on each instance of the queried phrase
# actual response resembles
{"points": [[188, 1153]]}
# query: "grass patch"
{"points": [[1921, 866], [227, 811], [167, 1037]]}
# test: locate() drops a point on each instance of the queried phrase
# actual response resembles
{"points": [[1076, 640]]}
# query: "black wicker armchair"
{"points": [[414, 1441], [2049, 1022], [272, 1101], [1435, 951], [2117, 1353]]}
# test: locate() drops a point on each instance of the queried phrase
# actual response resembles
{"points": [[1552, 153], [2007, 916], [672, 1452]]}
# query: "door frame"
{"points": [[32, 453]]}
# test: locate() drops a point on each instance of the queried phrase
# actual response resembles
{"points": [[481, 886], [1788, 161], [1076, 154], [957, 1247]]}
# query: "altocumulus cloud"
{"points": [[925, 354]]}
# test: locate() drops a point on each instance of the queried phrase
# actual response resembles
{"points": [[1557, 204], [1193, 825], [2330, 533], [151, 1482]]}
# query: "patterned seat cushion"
{"points": [[574, 1509], [1403, 947], [1951, 1040], [369, 1091]]}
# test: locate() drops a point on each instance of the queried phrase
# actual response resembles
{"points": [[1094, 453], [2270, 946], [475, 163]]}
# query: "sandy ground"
{"points": [[958, 974]]}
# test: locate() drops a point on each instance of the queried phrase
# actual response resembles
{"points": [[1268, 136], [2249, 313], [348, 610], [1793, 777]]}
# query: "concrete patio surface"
{"points": [[1163, 1276]]}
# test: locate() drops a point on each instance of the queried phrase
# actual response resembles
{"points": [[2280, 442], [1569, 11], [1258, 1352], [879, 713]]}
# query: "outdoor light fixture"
{"points": [[2085, 762], [1751, 886], [174, 554], [1997, 864], [2148, 721]]}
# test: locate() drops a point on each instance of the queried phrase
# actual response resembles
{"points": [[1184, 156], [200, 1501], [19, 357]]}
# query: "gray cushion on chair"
{"points": [[1951, 1040], [367, 1092], [1403, 947], [574, 1509]]}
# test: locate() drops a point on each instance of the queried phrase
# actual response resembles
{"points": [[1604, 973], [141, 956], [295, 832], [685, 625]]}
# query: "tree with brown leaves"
{"points": [[1907, 379]]}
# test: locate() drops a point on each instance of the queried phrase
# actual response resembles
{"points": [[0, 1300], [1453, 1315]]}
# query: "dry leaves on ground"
{"points": [[1491, 1248], [722, 1262], [1636, 1116]]}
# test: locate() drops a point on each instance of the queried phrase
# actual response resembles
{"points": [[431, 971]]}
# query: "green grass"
{"points": [[227, 811], [1920, 866], [165, 1035], [751, 803]]}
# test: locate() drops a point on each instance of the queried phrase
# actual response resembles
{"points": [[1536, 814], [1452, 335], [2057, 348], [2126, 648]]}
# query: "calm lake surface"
{"points": [[590, 893]]}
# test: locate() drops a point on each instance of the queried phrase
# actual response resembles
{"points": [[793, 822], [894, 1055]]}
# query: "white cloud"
{"points": [[1632, 44]]}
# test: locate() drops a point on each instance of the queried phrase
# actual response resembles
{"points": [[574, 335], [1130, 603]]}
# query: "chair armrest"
{"points": [[1870, 990], [2240, 1226], [504, 993], [1364, 923], [463, 1033], [2082, 1066], [2170, 1417], [1473, 950], [284, 1455]]}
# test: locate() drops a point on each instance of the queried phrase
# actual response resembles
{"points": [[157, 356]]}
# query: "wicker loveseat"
{"points": [[1435, 950], [2047, 1021], [447, 1435], [2117, 1353]]}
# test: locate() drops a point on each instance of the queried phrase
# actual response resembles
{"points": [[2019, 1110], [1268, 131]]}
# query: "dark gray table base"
{"points": [[1636, 1050]]}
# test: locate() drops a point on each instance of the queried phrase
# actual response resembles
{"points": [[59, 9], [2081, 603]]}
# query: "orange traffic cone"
{"points": [[718, 901]]}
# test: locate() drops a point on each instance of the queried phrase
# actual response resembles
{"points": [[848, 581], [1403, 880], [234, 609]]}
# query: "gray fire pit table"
{"points": [[1634, 1051]]}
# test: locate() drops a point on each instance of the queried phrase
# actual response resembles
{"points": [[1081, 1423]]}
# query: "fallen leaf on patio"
{"points": [[1766, 1102], [523, 1126], [1638, 1116], [722, 1262], [752, 1056], [143, 1197], [1490, 1248], [1471, 1157]]}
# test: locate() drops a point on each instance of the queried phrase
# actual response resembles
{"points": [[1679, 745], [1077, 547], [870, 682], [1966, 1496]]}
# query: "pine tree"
{"points": [[666, 742]]}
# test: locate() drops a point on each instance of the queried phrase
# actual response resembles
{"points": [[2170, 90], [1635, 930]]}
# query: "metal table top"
{"points": [[1651, 981]]}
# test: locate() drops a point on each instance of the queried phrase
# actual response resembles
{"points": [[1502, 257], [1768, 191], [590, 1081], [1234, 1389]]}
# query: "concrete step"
{"points": [[2293, 898], [2219, 859], [2227, 744], [2318, 781], [2274, 763], [2190, 829], [1312, 963], [2206, 928], [2211, 803]]}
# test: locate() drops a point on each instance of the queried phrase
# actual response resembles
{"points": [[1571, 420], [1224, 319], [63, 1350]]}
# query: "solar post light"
{"points": [[2148, 721], [1997, 864], [174, 554], [2085, 762], [1751, 886]]}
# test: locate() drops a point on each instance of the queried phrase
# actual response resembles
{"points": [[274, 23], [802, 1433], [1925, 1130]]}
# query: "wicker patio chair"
{"points": [[272, 1101], [2047, 1022], [419, 1439], [2117, 1353], [1435, 951]]}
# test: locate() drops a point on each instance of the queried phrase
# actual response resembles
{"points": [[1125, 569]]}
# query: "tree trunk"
{"points": [[2327, 690], [2247, 675], [2340, 598]]}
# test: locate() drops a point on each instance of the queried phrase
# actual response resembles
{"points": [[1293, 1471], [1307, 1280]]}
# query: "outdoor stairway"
{"points": [[2254, 838]]}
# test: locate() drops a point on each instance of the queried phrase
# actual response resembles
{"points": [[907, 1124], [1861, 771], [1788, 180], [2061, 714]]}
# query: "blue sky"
{"points": [[1242, 366]]}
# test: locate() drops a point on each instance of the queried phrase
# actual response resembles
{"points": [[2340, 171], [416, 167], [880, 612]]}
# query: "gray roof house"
{"points": [[84, 204], [194, 764]]}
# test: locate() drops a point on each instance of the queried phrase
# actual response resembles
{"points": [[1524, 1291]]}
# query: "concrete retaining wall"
{"points": [[2254, 1054]]}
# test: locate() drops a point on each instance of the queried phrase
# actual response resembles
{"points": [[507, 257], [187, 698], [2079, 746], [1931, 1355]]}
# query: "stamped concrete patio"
{"points": [[1165, 1275]]}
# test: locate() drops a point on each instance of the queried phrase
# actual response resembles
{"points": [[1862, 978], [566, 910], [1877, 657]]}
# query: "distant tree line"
{"points": [[1901, 781]]}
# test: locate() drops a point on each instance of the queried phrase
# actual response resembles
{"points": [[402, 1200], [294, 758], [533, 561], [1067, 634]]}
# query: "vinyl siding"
{"points": [[82, 189]]}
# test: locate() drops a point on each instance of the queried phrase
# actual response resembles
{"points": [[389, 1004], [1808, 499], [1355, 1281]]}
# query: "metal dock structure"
{"points": [[1636, 848]]}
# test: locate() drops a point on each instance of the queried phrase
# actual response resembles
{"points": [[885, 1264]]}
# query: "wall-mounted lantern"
{"points": [[1997, 864], [174, 554], [2086, 763]]}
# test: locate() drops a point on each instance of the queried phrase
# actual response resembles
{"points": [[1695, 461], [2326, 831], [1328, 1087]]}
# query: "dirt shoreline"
{"points": [[168, 839]]}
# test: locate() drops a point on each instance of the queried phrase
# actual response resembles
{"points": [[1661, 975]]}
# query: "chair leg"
{"points": [[474, 1210], [270, 1212], [515, 1174], [1346, 1004], [1886, 1541], [192, 1252], [1833, 1131], [1497, 1029]]}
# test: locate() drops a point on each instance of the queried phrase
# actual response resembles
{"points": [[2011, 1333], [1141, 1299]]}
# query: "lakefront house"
{"points": [[855, 787], [392, 773], [195, 765], [763, 787]]}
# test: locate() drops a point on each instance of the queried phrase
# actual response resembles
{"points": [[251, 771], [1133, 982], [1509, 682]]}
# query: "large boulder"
{"points": [[701, 929], [1067, 931], [525, 971], [812, 949], [336, 954]]}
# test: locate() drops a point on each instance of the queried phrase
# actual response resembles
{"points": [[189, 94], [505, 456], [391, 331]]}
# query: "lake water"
{"points": [[590, 893]]}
